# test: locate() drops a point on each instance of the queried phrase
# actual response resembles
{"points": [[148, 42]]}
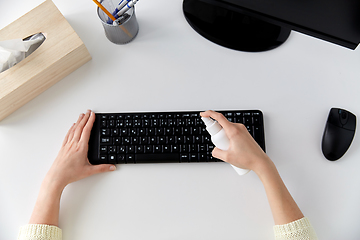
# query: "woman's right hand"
{"points": [[244, 152]]}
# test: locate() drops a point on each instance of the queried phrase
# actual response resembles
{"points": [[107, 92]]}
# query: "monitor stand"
{"points": [[226, 26]]}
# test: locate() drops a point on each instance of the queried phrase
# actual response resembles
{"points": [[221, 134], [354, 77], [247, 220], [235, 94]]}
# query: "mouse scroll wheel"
{"points": [[343, 117]]}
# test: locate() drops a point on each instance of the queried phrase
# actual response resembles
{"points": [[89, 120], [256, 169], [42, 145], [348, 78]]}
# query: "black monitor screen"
{"points": [[337, 21]]}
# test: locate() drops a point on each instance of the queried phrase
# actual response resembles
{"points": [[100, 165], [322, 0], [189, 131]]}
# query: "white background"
{"points": [[170, 67]]}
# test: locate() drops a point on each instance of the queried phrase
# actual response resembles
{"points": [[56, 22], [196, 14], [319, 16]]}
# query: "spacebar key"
{"points": [[157, 158]]}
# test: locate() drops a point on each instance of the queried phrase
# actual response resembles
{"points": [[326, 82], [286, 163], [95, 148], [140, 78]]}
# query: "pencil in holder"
{"points": [[123, 33]]}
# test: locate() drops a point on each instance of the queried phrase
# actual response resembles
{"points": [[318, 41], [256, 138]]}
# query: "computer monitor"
{"points": [[260, 25]]}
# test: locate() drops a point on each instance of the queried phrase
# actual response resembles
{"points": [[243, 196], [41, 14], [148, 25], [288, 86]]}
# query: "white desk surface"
{"points": [[170, 67]]}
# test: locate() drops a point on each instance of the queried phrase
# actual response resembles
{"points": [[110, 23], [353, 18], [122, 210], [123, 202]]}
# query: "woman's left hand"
{"points": [[72, 163]]}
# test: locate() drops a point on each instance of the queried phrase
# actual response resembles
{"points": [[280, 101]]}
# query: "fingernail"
{"points": [[112, 167]]}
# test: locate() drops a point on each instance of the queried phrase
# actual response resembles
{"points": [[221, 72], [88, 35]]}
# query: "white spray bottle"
{"points": [[220, 140]]}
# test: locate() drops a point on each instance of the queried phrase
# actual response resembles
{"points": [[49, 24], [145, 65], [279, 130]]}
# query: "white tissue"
{"points": [[13, 51]]}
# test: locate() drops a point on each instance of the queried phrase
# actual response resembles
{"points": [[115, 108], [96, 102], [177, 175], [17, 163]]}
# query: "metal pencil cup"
{"points": [[123, 33]]}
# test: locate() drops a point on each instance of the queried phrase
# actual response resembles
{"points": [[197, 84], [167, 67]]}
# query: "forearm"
{"points": [[283, 206], [46, 210]]}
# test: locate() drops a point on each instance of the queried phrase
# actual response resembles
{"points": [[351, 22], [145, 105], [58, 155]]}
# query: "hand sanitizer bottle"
{"points": [[219, 139]]}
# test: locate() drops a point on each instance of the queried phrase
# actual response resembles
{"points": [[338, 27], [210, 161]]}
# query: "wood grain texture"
{"points": [[60, 54]]}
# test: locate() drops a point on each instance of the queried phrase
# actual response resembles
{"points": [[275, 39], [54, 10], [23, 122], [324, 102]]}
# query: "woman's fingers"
{"points": [[68, 134], [221, 119], [220, 154], [72, 130], [79, 128], [87, 129]]}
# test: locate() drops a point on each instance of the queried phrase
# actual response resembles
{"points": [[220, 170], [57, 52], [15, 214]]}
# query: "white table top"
{"points": [[170, 67]]}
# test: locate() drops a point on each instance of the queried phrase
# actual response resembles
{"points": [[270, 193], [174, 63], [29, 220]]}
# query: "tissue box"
{"points": [[60, 54]]}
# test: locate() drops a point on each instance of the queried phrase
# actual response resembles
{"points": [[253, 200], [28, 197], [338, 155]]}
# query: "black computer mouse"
{"points": [[338, 134]]}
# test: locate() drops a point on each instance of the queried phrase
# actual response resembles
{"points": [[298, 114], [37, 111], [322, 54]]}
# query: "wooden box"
{"points": [[60, 54]]}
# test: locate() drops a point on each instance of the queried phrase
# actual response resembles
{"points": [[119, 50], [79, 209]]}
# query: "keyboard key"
{"points": [[112, 149], [194, 157], [130, 149], [112, 158], [105, 141], [105, 132], [130, 158], [121, 158], [121, 149], [157, 149], [139, 149], [202, 157], [157, 158], [184, 157], [148, 149], [117, 141], [103, 149], [166, 149], [175, 148]]}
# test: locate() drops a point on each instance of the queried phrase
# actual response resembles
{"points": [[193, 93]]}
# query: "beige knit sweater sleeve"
{"points": [[298, 230], [39, 232]]}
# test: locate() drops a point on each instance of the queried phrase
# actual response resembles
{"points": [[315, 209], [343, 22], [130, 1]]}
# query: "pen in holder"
{"points": [[125, 29]]}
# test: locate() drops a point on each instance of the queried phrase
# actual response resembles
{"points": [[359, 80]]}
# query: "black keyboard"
{"points": [[161, 137]]}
